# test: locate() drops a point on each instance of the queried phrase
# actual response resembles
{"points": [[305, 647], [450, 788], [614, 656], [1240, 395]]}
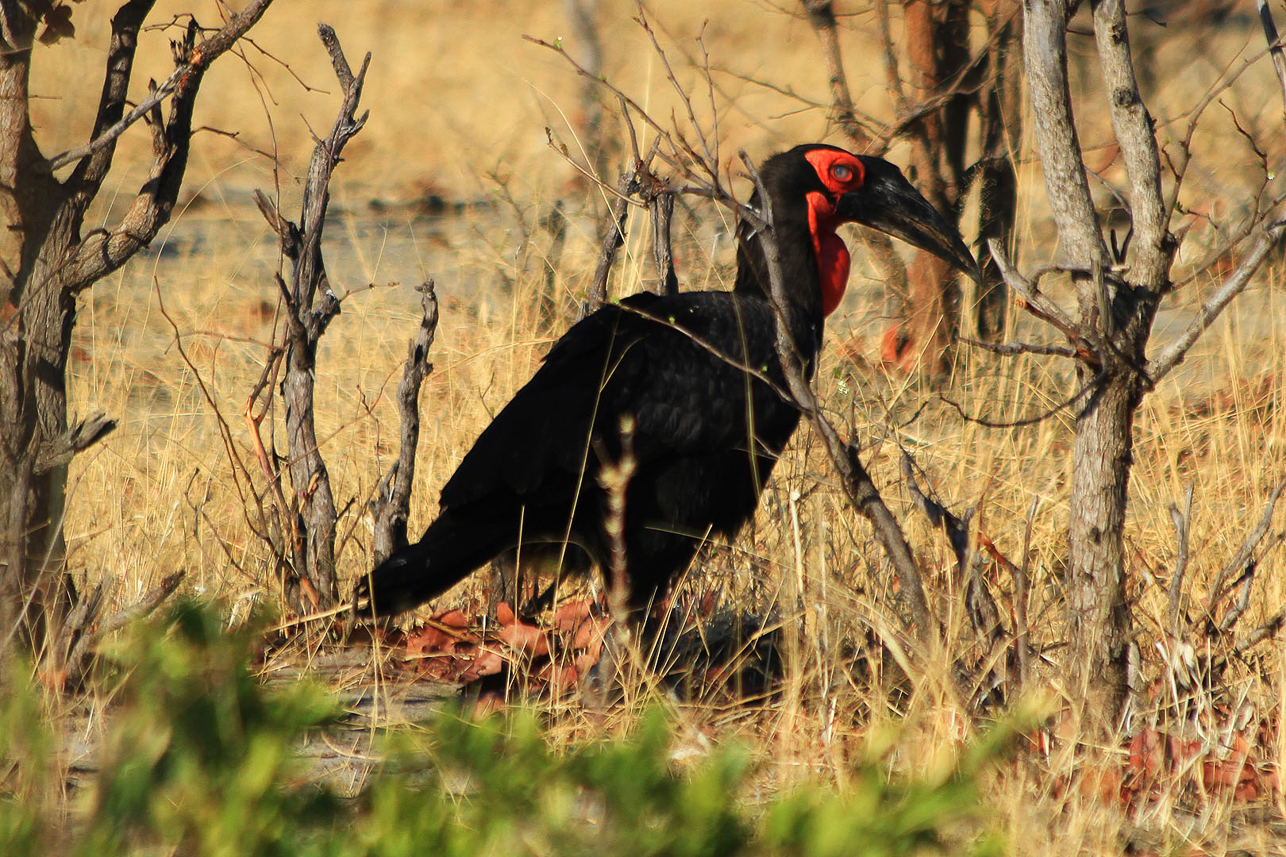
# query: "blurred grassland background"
{"points": [[458, 106], [459, 103]]}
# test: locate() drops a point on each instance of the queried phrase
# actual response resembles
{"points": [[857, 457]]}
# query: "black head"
{"points": [[814, 188], [866, 190]]}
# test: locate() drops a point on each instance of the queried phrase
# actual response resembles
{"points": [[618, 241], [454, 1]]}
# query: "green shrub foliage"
{"points": [[201, 759]]}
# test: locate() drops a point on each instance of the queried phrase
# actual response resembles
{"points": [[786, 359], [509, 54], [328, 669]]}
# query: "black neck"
{"points": [[800, 279]]}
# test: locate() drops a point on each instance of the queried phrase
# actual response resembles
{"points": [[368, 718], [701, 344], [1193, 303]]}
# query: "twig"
{"points": [[1238, 607], [78, 661], [1243, 556], [143, 108], [1031, 298], [1015, 348], [668, 157], [1182, 527], [1090, 386], [710, 154], [1180, 169], [1263, 632], [239, 469], [1175, 352]]}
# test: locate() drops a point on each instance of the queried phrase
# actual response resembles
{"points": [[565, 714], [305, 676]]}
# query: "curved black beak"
{"points": [[888, 202]]}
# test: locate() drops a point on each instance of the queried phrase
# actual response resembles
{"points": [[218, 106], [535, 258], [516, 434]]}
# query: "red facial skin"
{"points": [[841, 173]]}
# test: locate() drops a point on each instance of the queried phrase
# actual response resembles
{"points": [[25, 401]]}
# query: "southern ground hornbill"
{"points": [[706, 432]]}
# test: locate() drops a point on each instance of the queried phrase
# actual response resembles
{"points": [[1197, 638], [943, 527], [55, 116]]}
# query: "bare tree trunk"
{"points": [[945, 82], [45, 263], [1117, 303]]}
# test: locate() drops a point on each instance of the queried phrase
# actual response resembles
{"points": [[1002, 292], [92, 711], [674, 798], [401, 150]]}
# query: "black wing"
{"points": [[638, 358]]}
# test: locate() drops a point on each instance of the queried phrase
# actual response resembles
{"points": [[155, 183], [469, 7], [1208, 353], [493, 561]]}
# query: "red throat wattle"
{"points": [[840, 172], [832, 255]]}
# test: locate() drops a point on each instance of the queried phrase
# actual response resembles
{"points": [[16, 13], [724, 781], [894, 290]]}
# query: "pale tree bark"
{"points": [[309, 581], [391, 506], [1117, 300], [45, 262]]}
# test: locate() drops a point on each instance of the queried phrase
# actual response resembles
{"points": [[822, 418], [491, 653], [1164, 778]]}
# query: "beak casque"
{"points": [[888, 202]]}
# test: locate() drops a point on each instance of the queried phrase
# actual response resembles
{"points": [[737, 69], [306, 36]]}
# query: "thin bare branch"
{"points": [[1025, 421], [1236, 566], [1174, 354], [664, 133], [108, 137], [1263, 632], [1182, 526], [1179, 164], [1015, 348], [1235, 610], [1045, 46], [1032, 299]]}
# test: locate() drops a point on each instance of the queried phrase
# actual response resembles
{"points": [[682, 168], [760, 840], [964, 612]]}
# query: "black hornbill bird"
{"points": [[688, 369]]}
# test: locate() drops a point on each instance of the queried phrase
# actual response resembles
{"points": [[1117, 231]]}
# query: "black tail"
{"points": [[449, 551]]}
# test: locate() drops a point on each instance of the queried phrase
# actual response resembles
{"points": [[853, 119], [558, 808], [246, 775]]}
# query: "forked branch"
{"points": [[103, 251], [310, 306]]}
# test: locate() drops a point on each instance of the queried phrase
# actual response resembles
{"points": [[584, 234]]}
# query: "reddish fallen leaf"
{"points": [[1102, 783], [568, 615], [1145, 752], [487, 663], [590, 634], [523, 637], [443, 633]]}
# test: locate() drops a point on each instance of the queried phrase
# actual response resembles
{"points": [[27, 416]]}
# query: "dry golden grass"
{"points": [[458, 106]]}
